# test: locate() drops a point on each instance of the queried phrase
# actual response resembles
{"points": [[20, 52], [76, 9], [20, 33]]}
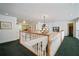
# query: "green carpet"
{"points": [[14, 48], [69, 47]]}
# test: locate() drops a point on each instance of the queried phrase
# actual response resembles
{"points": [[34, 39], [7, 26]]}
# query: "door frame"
{"points": [[73, 28]]}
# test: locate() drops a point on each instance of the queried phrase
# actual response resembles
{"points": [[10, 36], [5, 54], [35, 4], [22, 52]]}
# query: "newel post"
{"points": [[49, 45]]}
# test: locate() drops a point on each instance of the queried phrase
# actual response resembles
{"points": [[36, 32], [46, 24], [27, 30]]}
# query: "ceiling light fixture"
{"points": [[24, 22], [6, 14]]}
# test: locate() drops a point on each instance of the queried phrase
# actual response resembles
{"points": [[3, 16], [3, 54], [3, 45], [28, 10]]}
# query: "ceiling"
{"points": [[36, 11]]}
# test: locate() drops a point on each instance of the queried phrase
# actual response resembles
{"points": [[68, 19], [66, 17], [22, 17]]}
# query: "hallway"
{"points": [[69, 47]]}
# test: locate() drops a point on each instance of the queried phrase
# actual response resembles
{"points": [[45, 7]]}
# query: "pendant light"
{"points": [[44, 22]]}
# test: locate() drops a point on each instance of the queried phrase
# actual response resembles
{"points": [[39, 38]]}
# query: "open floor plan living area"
{"points": [[39, 29]]}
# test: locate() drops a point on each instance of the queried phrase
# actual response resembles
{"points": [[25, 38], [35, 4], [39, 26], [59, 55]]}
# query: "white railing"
{"points": [[35, 43], [77, 34], [55, 43], [40, 44]]}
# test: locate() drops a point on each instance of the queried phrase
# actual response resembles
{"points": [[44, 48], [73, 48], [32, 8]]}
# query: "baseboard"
{"points": [[9, 42]]}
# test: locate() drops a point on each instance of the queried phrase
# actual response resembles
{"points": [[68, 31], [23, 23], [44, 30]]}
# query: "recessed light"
{"points": [[6, 13], [24, 22]]}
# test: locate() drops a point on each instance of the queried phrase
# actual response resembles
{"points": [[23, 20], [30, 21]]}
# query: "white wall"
{"points": [[39, 26], [77, 29], [62, 24], [7, 35]]}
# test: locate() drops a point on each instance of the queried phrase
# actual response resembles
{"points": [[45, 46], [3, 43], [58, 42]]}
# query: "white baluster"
{"points": [[38, 49], [45, 52], [41, 49]]}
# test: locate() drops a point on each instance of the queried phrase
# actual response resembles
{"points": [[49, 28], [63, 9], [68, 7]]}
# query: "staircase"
{"points": [[42, 44], [35, 43]]}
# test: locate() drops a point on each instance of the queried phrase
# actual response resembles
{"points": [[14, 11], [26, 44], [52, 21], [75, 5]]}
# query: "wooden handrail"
{"points": [[37, 43]]}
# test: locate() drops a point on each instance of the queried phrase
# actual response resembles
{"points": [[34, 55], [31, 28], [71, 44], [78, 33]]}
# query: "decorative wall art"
{"points": [[5, 25], [56, 29]]}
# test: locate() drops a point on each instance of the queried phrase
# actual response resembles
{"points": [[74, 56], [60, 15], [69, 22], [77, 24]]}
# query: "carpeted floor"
{"points": [[14, 49], [69, 47]]}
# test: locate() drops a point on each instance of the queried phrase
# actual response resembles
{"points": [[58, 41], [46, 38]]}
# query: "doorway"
{"points": [[70, 26]]}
